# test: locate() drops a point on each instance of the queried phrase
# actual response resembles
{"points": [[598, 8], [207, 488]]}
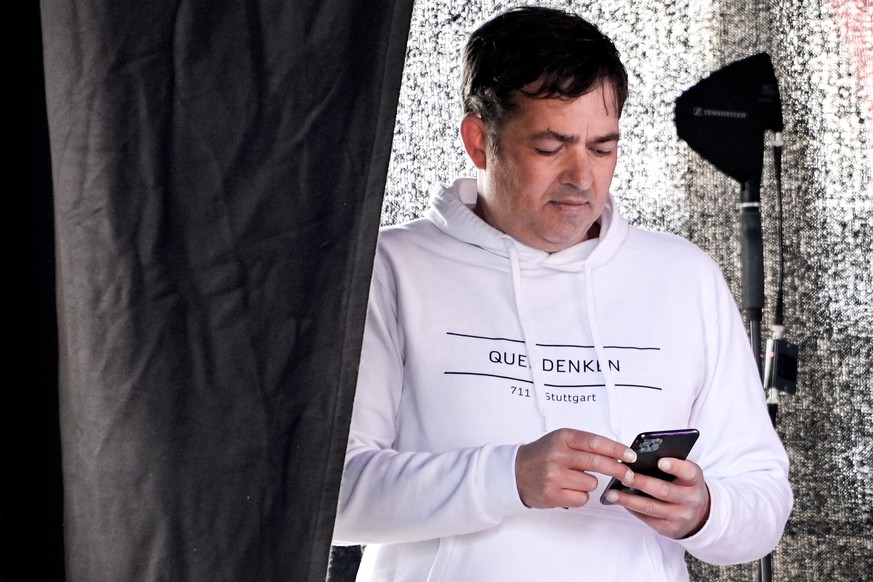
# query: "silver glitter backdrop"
{"points": [[822, 55]]}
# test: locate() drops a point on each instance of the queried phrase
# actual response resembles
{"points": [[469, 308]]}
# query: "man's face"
{"points": [[547, 181]]}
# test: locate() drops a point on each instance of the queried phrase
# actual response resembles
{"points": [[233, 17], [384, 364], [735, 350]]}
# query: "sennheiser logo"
{"points": [[703, 112]]}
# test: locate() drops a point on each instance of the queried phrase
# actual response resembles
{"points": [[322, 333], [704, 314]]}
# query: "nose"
{"points": [[577, 170]]}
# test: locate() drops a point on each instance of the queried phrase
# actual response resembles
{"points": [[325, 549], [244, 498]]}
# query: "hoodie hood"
{"points": [[451, 211]]}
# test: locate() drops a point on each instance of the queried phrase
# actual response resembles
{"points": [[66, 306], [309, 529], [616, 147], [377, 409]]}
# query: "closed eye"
{"points": [[604, 146], [546, 152]]}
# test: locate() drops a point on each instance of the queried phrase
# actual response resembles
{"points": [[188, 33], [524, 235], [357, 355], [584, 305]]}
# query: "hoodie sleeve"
{"points": [[743, 460], [390, 496]]}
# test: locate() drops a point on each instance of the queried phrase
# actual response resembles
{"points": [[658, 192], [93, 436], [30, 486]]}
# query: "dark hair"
{"points": [[568, 54]]}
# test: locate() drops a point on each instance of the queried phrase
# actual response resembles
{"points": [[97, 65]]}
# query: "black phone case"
{"points": [[652, 446]]}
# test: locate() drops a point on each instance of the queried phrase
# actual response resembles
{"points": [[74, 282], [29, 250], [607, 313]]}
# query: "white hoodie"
{"points": [[476, 343]]}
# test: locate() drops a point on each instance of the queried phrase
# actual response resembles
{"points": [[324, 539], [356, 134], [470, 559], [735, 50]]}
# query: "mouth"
{"points": [[569, 204]]}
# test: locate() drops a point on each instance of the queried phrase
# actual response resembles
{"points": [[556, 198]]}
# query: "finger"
{"points": [[686, 472], [640, 505], [670, 519], [592, 462], [595, 443], [568, 489], [571, 498], [655, 490]]}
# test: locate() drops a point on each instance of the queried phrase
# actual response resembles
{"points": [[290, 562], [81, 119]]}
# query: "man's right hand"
{"points": [[554, 470]]}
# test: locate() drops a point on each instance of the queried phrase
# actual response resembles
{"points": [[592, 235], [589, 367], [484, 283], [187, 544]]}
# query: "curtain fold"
{"points": [[218, 171]]}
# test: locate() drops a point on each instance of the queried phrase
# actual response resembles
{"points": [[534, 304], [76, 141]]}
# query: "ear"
{"points": [[474, 134]]}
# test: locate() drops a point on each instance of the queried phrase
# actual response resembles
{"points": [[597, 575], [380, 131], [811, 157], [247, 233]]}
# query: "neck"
{"points": [[594, 231]]}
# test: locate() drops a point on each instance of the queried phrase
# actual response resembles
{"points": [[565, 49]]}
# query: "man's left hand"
{"points": [[676, 509]]}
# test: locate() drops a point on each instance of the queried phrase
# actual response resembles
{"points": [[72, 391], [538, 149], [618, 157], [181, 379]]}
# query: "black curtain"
{"points": [[218, 170], [31, 543]]}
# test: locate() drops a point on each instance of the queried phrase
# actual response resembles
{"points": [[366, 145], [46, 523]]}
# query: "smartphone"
{"points": [[650, 447]]}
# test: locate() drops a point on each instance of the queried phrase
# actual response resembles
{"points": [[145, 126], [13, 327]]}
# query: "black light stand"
{"points": [[752, 253], [723, 118]]}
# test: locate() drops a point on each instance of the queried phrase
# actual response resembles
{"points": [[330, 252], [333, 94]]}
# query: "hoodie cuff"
{"points": [[712, 528], [501, 485]]}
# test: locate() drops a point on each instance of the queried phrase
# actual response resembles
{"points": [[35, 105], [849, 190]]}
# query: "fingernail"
{"points": [[664, 464], [628, 477], [612, 496], [630, 456]]}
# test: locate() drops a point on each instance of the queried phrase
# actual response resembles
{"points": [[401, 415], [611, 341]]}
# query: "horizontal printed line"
{"points": [[639, 386], [592, 347], [488, 375], [601, 386], [517, 341], [575, 385], [549, 385], [503, 339]]}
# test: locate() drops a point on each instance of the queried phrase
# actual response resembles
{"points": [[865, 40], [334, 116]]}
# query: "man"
{"points": [[522, 333]]}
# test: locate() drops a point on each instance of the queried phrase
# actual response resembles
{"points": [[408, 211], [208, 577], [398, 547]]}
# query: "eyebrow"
{"points": [[564, 138]]}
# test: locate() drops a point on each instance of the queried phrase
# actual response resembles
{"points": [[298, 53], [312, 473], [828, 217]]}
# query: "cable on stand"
{"points": [[780, 356]]}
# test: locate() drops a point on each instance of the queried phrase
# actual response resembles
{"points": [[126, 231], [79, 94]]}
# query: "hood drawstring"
{"points": [[593, 323], [600, 351], [528, 344]]}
